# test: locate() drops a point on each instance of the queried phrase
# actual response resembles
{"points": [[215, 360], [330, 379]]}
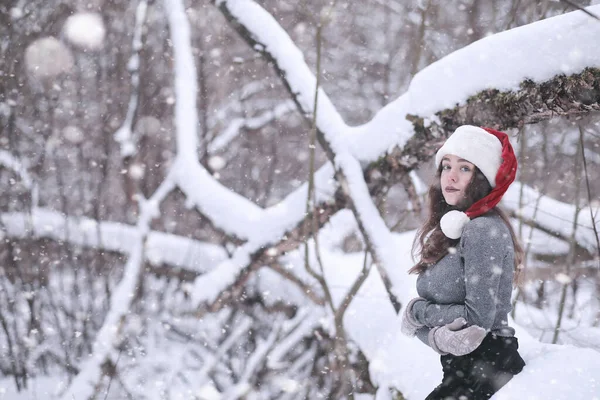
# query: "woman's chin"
{"points": [[451, 200]]}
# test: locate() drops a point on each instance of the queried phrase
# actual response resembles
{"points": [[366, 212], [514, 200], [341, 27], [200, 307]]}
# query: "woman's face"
{"points": [[455, 177]]}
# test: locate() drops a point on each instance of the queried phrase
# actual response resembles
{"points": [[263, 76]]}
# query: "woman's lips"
{"points": [[451, 189]]}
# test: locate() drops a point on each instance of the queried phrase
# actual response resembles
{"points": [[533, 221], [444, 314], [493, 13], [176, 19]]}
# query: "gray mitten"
{"points": [[409, 325], [453, 338]]}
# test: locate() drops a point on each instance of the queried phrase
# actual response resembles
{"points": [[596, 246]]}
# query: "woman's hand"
{"points": [[409, 325], [453, 338]]}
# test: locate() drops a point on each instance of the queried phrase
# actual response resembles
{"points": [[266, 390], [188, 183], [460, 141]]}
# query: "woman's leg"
{"points": [[477, 376], [496, 364], [455, 383]]}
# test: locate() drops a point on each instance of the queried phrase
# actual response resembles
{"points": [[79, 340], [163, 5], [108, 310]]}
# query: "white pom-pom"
{"points": [[453, 222]]}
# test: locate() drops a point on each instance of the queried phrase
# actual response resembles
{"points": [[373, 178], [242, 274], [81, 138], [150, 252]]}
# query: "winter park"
{"points": [[277, 199]]}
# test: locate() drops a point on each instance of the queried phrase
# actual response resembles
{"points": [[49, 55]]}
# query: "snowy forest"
{"points": [[218, 199]]}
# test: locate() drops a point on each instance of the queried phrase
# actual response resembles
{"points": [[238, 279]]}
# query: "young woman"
{"points": [[467, 255]]}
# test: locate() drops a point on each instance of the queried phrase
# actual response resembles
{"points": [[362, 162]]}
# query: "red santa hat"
{"points": [[491, 152]]}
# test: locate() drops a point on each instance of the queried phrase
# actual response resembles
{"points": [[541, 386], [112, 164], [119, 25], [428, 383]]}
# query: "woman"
{"points": [[467, 254]]}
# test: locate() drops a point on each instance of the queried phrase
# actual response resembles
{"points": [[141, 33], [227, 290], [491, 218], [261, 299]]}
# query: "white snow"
{"points": [[216, 162], [7, 160], [233, 130], [302, 83], [553, 215], [124, 135], [564, 44], [407, 364], [16, 13], [137, 171], [554, 372], [83, 385], [109, 336], [161, 247], [499, 61], [73, 134], [229, 211], [540, 242], [85, 30]]}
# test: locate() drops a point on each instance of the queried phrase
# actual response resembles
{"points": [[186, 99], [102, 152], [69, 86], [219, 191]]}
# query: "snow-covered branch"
{"points": [[435, 89], [7, 160], [553, 216], [106, 343], [228, 211], [254, 363], [234, 128], [161, 248], [238, 331], [104, 348], [263, 33], [235, 102], [293, 331], [124, 135], [497, 67]]}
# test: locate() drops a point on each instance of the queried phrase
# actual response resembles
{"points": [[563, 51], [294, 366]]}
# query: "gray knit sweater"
{"points": [[474, 283]]}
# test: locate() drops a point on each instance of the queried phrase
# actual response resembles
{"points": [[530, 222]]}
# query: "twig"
{"points": [[311, 183], [364, 273], [115, 371], [587, 182], [571, 255], [581, 9], [305, 287]]}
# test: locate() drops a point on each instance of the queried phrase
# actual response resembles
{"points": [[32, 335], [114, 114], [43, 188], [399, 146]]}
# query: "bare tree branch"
{"points": [[308, 290], [562, 96], [589, 195], [578, 7]]}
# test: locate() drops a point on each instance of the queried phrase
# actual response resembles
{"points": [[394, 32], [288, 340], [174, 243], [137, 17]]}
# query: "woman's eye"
{"points": [[465, 169], [445, 167]]}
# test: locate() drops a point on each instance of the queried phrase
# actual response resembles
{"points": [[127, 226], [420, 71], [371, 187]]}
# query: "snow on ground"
{"points": [[501, 61], [38, 388], [554, 372], [406, 363], [413, 368]]}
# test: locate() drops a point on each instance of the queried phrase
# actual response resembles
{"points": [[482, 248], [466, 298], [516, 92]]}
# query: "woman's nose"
{"points": [[452, 176]]}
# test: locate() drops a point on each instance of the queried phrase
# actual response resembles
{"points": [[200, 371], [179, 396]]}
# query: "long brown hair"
{"points": [[431, 245]]}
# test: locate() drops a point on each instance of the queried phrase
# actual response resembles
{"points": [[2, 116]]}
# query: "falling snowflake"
{"points": [[47, 58], [85, 30]]}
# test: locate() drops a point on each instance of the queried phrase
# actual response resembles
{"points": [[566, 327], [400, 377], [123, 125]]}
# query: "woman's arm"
{"points": [[432, 314], [423, 335], [484, 246]]}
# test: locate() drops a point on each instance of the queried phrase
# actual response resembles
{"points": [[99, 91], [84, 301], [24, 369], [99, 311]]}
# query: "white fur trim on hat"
{"points": [[453, 222], [477, 146]]}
